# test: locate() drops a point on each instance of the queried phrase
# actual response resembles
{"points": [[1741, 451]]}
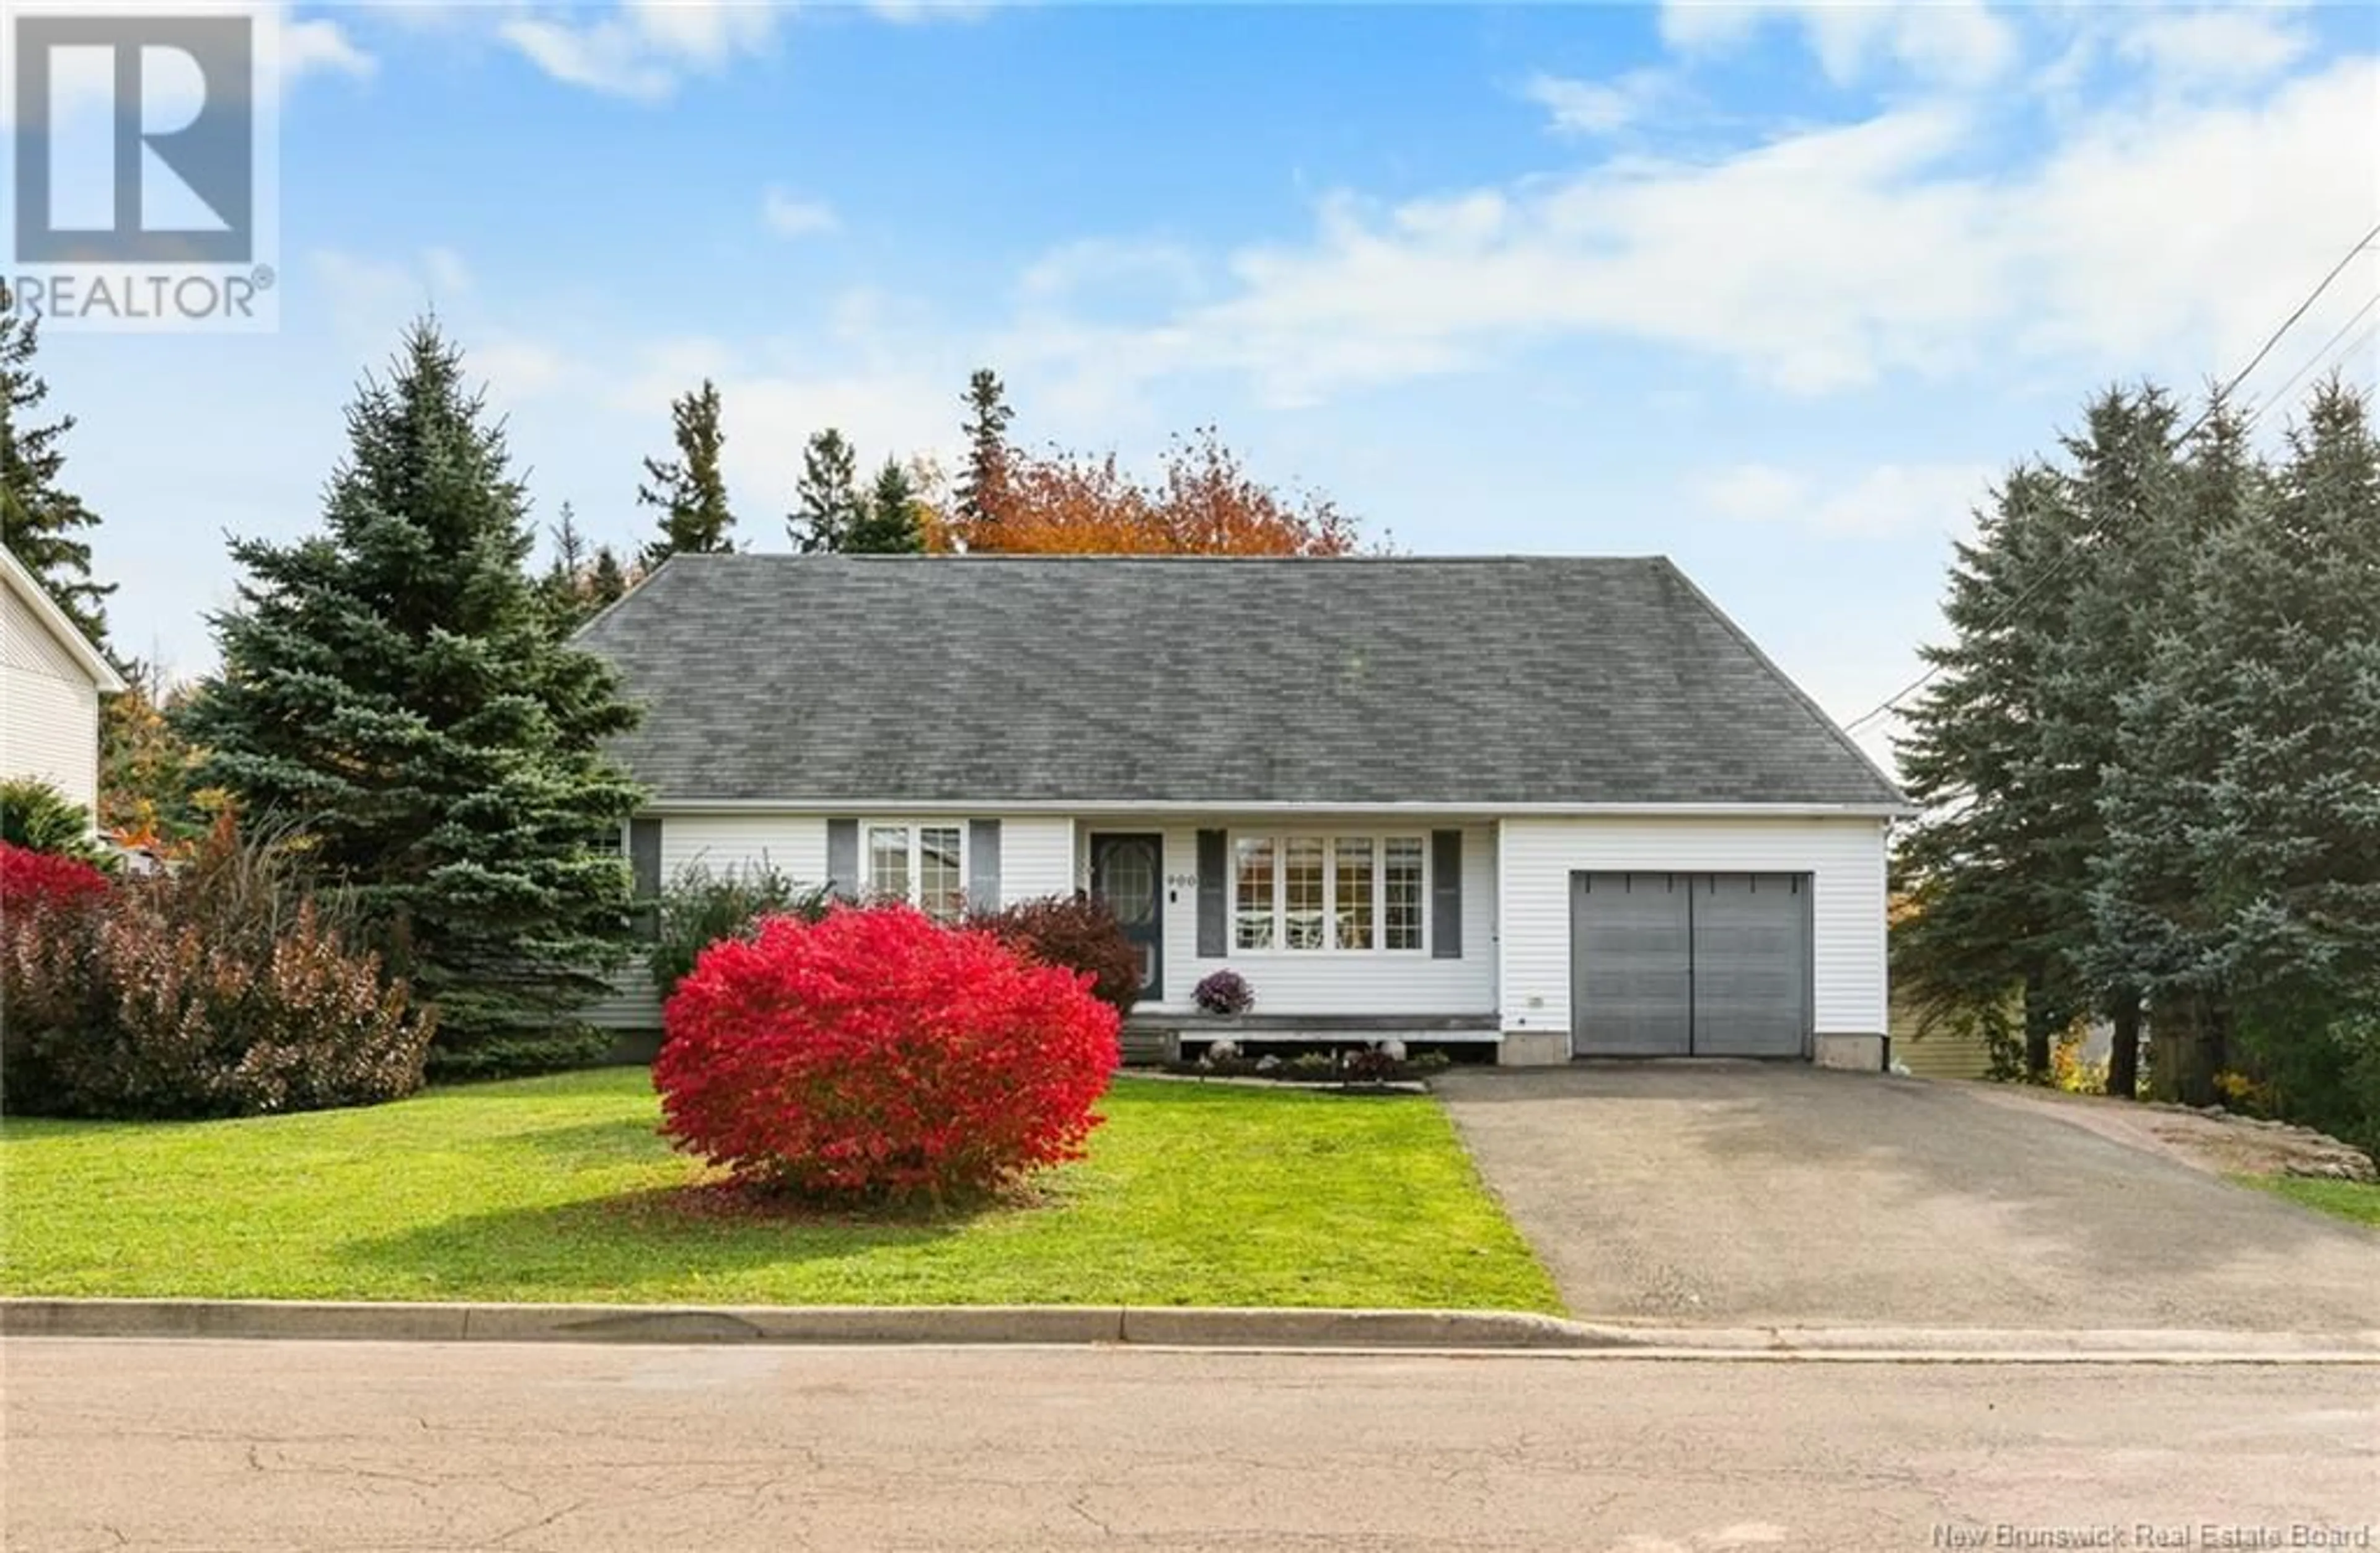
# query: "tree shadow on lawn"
{"points": [[660, 1242]]}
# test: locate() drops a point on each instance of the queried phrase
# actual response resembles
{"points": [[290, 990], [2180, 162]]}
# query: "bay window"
{"points": [[1328, 893]]}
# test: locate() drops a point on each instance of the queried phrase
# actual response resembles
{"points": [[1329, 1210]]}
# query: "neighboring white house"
{"points": [[1559, 805], [51, 680]]}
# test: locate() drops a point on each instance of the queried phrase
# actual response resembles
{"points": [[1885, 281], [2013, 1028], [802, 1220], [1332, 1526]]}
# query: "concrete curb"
{"points": [[948, 1325], [1477, 1332]]}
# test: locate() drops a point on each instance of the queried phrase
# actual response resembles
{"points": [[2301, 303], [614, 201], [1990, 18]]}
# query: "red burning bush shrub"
{"points": [[877, 1053], [30, 880]]}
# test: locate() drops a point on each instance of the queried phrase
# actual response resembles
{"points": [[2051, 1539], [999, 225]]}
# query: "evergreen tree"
{"points": [[39, 519], [564, 586], [2293, 869], [1990, 921], [2151, 931], [828, 504], [889, 525], [689, 490], [607, 578], [984, 482], [396, 684], [2123, 482]]}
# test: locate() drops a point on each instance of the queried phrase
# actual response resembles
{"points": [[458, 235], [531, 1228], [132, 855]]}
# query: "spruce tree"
{"points": [[2293, 869], [2153, 935], [984, 482], [828, 504], [2123, 480], [888, 525], [564, 586], [688, 490], [607, 578], [396, 684], [1990, 923], [39, 519]]}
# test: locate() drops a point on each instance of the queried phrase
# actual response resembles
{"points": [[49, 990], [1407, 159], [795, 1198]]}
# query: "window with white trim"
{"points": [[921, 863], [1328, 894]]}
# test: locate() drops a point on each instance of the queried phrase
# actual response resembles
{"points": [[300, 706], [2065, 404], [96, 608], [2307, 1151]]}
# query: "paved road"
{"points": [[273, 1447], [1746, 1194]]}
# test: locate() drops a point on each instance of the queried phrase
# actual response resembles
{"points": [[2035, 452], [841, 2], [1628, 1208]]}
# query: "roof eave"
{"points": [[881, 804]]}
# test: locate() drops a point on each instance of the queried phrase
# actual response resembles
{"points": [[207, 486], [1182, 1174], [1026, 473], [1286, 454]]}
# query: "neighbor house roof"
{"points": [[1500, 682], [20, 580]]}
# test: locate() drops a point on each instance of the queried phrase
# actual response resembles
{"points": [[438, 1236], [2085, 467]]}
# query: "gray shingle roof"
{"points": [[977, 679]]}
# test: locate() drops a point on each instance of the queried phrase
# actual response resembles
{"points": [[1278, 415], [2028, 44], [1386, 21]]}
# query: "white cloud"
{"points": [[909, 11], [516, 370], [321, 46], [790, 217], [368, 299], [1578, 107], [1888, 500], [1102, 269], [2165, 238], [445, 271], [1956, 42], [643, 49], [2215, 48]]}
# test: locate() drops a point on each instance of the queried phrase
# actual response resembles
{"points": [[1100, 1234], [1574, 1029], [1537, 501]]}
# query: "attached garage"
{"points": [[1666, 965]]}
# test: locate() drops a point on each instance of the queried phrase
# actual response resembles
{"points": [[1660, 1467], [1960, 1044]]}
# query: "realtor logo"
{"points": [[142, 154]]}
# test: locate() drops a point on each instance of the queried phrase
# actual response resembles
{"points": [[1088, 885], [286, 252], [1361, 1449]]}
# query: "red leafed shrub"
{"points": [[878, 1054], [222, 989], [1080, 932], [29, 880]]}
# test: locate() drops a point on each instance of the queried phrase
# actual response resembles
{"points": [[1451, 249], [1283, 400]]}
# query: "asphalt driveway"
{"points": [[1747, 1195]]}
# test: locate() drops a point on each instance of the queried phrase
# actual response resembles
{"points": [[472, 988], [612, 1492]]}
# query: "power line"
{"points": [[2055, 566], [2277, 395]]}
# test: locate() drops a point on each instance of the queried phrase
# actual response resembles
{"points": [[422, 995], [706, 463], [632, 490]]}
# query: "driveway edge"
{"points": [[1307, 1330]]}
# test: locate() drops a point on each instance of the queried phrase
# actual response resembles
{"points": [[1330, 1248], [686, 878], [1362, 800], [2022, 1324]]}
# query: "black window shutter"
{"points": [[1446, 895], [1214, 887]]}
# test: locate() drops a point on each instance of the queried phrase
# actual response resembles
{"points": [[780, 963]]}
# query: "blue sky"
{"points": [[1775, 289]]}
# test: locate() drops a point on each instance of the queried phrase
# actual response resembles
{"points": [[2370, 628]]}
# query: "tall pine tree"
{"points": [[983, 483], [2293, 869], [2152, 936], [689, 489], [827, 503], [2123, 480], [889, 525], [1990, 921], [395, 683], [41, 520]]}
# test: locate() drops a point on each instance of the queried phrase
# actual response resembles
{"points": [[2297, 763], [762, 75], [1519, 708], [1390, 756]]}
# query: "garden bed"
{"points": [[560, 1189]]}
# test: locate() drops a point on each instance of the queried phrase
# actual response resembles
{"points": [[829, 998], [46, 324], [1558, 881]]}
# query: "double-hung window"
{"points": [[1328, 893], [923, 863]]}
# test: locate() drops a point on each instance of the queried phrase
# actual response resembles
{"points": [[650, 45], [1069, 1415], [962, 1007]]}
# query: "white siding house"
{"points": [[51, 680], [1607, 828]]}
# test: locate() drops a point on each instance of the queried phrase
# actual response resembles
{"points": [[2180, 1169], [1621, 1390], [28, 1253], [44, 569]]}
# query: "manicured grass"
{"points": [[559, 1189], [2352, 1200]]}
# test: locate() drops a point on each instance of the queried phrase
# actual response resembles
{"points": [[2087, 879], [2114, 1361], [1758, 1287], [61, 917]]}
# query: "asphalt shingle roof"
{"points": [[977, 679]]}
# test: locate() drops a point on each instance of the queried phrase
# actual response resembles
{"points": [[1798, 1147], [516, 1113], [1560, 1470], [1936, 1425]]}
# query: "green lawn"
{"points": [[2352, 1200], [559, 1189]]}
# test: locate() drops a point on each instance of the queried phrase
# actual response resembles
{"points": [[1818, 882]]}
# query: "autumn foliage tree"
{"points": [[1203, 502]]}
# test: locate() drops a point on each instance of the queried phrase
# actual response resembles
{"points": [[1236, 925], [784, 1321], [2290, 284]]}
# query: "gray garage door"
{"points": [[1690, 964]]}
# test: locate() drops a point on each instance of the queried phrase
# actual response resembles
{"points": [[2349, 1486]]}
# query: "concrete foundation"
{"points": [[1533, 1049], [1862, 1054]]}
